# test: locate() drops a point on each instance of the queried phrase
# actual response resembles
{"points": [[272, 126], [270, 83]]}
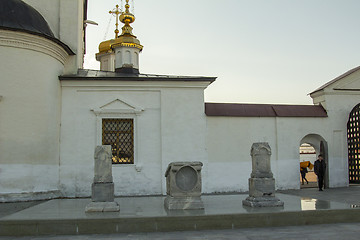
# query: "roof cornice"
{"points": [[55, 40], [92, 75], [19, 39]]}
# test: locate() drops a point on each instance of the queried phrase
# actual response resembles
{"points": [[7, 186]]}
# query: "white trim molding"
{"points": [[32, 42], [117, 106]]}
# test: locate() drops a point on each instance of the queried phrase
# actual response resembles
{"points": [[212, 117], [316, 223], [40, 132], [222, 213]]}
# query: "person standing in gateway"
{"points": [[319, 169]]}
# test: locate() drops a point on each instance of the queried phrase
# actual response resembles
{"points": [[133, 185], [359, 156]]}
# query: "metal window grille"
{"points": [[119, 133], [354, 145]]}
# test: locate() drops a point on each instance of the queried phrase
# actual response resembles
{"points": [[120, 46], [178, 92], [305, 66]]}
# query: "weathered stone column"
{"points": [[261, 181], [103, 187]]}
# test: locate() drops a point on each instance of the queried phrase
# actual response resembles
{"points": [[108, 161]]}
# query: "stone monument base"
{"points": [[102, 192], [102, 207], [183, 203], [263, 202], [261, 187], [261, 193]]}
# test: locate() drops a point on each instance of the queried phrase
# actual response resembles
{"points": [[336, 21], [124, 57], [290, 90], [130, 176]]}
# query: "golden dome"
{"points": [[122, 41], [126, 39]]}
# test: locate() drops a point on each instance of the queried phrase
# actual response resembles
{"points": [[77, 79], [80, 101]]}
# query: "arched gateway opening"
{"points": [[318, 145], [307, 159], [354, 145]]}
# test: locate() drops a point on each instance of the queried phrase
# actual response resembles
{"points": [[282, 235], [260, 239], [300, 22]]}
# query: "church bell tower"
{"points": [[122, 53]]}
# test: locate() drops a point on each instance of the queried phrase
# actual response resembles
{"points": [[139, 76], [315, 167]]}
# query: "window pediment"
{"points": [[117, 106]]}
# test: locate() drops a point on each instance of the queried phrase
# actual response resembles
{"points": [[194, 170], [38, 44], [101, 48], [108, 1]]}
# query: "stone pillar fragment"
{"points": [[183, 186], [261, 181], [103, 187]]}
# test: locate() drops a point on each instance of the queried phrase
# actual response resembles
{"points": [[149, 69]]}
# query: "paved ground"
{"points": [[349, 195], [346, 231], [10, 208], [316, 232]]}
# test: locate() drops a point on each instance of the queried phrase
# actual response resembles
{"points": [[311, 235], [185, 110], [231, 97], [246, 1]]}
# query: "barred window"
{"points": [[119, 133]]}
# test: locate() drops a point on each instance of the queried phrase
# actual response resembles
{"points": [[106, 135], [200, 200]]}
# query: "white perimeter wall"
{"points": [[229, 140]]}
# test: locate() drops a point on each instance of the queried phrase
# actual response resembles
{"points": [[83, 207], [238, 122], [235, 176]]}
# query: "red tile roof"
{"points": [[263, 110]]}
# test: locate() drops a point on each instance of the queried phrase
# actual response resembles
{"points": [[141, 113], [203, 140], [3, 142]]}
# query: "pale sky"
{"points": [[261, 51]]}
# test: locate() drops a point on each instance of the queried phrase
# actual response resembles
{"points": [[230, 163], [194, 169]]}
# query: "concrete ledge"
{"points": [[148, 214], [29, 196], [175, 223]]}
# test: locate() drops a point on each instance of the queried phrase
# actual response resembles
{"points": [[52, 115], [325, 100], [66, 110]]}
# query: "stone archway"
{"points": [[353, 135], [321, 147]]}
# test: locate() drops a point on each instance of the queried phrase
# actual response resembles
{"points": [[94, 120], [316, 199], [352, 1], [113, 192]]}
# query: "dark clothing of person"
{"points": [[319, 169], [303, 172], [320, 182]]}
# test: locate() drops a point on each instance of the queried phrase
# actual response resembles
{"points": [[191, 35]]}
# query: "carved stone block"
{"points": [[259, 187], [263, 202], [183, 186], [102, 192], [103, 187], [261, 165], [103, 164], [261, 181]]}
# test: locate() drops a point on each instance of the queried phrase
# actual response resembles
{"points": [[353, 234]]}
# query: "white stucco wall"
{"points": [[107, 61], [169, 126], [229, 140], [183, 127], [71, 31], [29, 113]]}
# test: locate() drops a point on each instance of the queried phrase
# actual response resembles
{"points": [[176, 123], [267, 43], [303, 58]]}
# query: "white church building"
{"points": [[53, 113]]}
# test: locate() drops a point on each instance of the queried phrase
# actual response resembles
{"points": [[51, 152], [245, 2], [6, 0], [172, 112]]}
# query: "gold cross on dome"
{"points": [[117, 12]]}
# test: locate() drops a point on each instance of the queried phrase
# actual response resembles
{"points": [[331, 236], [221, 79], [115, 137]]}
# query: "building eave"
{"points": [[96, 75]]}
